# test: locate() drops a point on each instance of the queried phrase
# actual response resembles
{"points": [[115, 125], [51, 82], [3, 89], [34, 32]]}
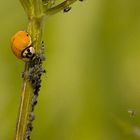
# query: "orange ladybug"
{"points": [[21, 45]]}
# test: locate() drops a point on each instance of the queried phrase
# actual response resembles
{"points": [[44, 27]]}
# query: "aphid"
{"points": [[21, 45], [132, 112], [67, 9]]}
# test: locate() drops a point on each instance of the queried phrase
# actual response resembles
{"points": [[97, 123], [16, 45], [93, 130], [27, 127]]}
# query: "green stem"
{"points": [[35, 30], [27, 6], [58, 8], [24, 111], [37, 4], [35, 27]]}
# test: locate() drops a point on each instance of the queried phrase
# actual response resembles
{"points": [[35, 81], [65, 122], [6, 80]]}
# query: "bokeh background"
{"points": [[92, 87]]}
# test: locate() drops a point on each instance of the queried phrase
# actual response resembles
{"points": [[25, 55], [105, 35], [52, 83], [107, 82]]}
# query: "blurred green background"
{"points": [[93, 72]]}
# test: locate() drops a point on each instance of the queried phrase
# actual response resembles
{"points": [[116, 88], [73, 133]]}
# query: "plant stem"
{"points": [[59, 7], [33, 69], [35, 30], [24, 111]]}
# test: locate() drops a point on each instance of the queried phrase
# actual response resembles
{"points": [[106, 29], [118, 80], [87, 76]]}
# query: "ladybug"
{"points": [[21, 45]]}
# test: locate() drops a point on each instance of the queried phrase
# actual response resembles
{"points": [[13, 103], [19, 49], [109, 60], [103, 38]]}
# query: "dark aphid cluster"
{"points": [[34, 75]]}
